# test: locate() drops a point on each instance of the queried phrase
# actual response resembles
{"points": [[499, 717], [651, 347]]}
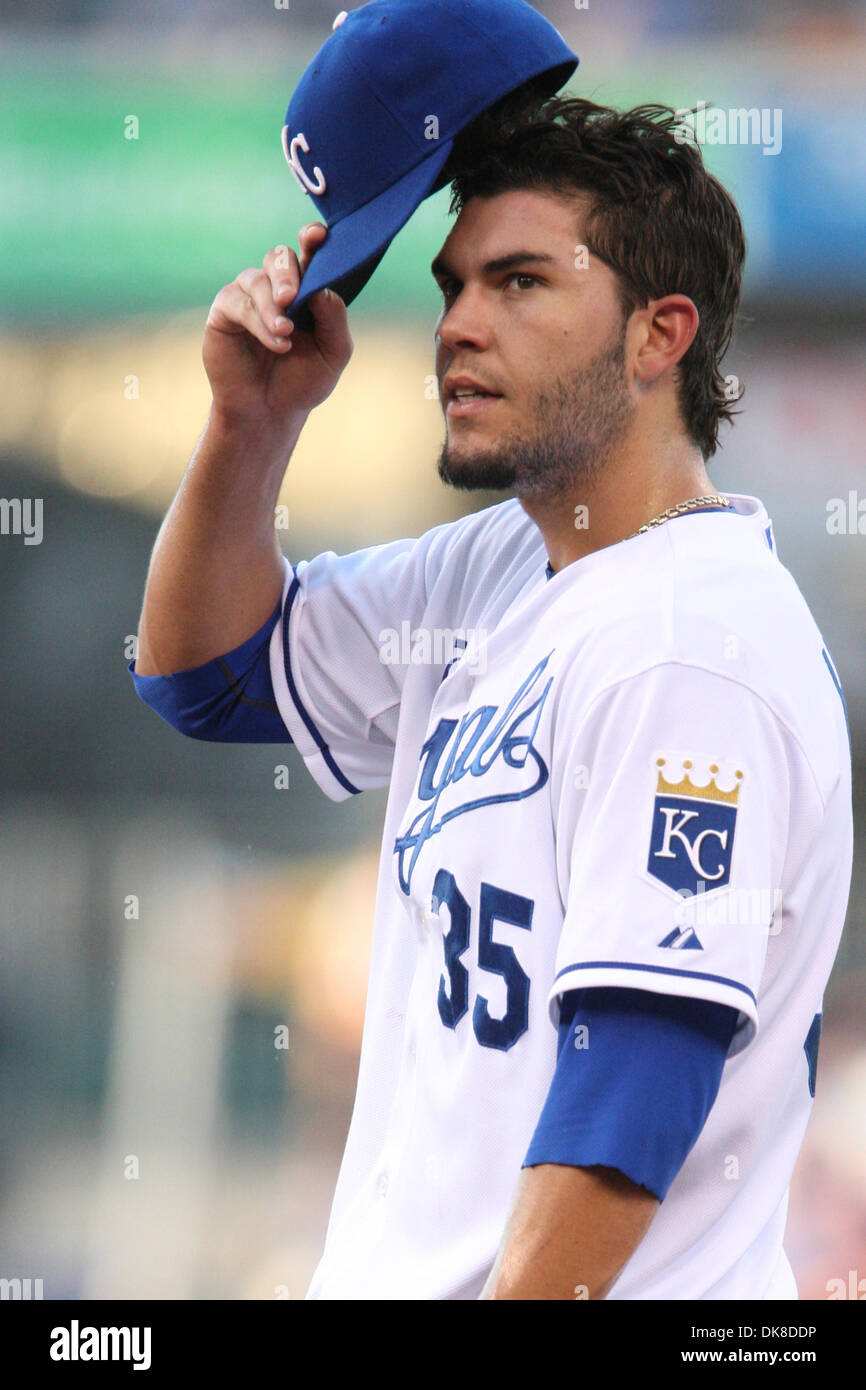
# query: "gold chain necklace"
{"points": [[693, 503]]}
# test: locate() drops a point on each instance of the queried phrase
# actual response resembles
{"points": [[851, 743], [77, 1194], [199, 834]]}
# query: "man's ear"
{"points": [[666, 330]]}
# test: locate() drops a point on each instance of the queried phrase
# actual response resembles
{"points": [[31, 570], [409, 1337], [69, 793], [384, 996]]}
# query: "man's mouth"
{"points": [[465, 396], [460, 406]]}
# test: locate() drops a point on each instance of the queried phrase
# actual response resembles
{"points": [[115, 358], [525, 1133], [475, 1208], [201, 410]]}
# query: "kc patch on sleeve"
{"points": [[694, 821]]}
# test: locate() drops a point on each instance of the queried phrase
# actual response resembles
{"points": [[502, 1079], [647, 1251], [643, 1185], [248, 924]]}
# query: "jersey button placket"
{"points": [[429, 914], [429, 926]]}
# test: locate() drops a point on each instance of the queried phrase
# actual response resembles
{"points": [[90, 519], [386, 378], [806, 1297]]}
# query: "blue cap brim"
{"points": [[356, 244]]}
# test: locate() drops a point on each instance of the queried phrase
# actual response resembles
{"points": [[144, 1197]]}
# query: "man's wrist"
{"points": [[273, 437], [245, 459]]}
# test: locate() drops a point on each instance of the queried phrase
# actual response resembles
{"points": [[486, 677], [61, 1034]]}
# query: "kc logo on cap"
{"points": [[294, 163], [356, 133]]}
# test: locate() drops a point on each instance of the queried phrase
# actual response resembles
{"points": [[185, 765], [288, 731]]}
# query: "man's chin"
{"points": [[475, 471]]}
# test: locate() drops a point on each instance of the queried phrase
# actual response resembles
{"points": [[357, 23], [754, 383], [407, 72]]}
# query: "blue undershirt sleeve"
{"points": [[228, 700], [636, 1076]]}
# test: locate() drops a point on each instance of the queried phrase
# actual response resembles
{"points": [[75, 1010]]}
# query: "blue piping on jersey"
{"points": [[838, 684], [656, 970], [311, 728], [810, 1047]]}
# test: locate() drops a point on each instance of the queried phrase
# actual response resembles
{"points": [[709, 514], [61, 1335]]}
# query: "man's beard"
{"points": [[572, 429]]}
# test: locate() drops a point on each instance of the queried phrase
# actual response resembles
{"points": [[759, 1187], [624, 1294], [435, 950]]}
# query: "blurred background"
{"points": [[183, 940]]}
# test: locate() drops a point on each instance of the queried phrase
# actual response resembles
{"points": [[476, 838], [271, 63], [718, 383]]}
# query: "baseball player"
{"points": [[617, 847]]}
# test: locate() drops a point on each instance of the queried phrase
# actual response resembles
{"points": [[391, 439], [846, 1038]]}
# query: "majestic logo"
{"points": [[294, 162], [692, 835], [484, 739], [682, 939]]}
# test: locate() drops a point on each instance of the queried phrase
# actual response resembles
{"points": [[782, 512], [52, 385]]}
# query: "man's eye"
{"points": [[529, 280], [450, 289]]}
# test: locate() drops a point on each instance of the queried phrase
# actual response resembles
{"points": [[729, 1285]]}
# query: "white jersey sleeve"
{"points": [[336, 682], [673, 809]]}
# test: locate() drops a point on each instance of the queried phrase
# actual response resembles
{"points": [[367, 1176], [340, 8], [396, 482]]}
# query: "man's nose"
{"points": [[465, 323]]}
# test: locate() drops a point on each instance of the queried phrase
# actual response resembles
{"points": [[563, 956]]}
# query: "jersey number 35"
{"points": [[496, 905]]}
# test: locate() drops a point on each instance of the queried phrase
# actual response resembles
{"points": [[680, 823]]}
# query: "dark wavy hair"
{"points": [[657, 218]]}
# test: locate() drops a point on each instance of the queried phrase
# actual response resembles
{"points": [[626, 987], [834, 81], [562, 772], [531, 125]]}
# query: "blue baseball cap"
{"points": [[373, 120]]}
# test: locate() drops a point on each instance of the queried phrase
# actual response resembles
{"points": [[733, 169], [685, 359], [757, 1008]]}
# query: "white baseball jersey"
{"points": [[635, 773]]}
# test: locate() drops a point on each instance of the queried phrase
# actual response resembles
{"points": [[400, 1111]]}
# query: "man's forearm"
{"points": [[570, 1233], [216, 570]]}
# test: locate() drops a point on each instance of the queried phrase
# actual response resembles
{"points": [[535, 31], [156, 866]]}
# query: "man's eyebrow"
{"points": [[441, 270]]}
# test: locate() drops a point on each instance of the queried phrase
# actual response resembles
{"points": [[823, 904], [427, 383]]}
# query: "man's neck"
{"points": [[623, 496]]}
